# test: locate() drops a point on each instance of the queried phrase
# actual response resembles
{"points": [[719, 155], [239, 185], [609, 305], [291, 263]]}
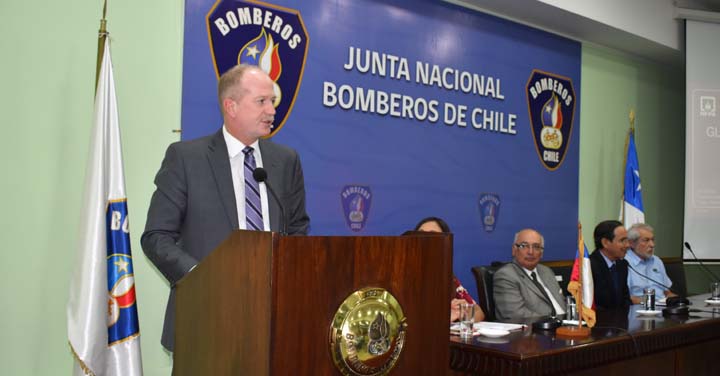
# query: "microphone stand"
{"points": [[652, 280], [713, 277], [260, 175]]}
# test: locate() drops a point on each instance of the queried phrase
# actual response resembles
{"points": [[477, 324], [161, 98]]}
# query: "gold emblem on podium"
{"points": [[367, 333]]}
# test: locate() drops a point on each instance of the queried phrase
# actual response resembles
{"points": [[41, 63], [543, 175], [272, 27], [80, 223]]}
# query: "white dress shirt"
{"points": [[237, 160], [558, 309]]}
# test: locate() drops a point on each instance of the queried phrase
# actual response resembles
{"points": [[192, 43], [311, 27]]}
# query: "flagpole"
{"points": [[579, 331], [102, 287], [102, 37], [80, 366], [581, 248]]}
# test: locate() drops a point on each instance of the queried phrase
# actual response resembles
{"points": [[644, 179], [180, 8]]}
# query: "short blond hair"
{"points": [[229, 84]]}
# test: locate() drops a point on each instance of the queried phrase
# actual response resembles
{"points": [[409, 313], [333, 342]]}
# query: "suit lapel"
{"points": [[531, 285], [220, 165], [548, 282], [271, 166], [604, 270]]}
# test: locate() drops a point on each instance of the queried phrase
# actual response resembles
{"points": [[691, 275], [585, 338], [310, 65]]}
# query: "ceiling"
{"points": [[586, 30], [705, 5]]}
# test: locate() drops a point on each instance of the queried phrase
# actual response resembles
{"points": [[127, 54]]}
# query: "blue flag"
{"points": [[633, 211]]}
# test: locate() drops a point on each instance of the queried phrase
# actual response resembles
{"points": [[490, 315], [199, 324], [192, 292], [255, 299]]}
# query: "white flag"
{"points": [[103, 327]]}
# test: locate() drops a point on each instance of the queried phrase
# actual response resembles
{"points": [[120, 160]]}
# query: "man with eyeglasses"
{"points": [[648, 269], [524, 288], [609, 268]]}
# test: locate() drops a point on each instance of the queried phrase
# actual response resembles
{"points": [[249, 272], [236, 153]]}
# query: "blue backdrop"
{"points": [[382, 141]]}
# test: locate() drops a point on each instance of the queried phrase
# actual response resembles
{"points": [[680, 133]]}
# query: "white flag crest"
{"points": [[103, 327]]}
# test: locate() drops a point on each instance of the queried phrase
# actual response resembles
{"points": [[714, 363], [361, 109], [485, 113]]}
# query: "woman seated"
{"points": [[434, 224]]}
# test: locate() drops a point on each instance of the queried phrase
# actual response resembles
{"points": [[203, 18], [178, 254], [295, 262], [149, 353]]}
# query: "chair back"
{"points": [[484, 279], [563, 272], [676, 272]]}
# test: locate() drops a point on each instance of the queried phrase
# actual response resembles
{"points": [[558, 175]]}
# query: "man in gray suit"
{"points": [[524, 288], [202, 185]]}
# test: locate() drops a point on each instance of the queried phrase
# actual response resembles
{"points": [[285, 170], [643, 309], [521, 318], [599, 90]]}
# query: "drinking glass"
{"points": [[467, 319]]}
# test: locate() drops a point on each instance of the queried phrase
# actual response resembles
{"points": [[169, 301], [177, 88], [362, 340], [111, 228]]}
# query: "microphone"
{"points": [[676, 305], [646, 277], [713, 278], [260, 175]]}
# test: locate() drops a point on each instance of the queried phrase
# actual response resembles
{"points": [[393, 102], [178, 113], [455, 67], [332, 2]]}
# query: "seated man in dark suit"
{"points": [[524, 288], [609, 269]]}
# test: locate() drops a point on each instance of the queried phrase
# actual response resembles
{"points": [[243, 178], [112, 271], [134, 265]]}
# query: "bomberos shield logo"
{"points": [[356, 200], [489, 206], [269, 36], [551, 103], [122, 317]]}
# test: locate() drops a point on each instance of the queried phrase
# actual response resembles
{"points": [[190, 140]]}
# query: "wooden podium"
{"points": [[263, 304]]}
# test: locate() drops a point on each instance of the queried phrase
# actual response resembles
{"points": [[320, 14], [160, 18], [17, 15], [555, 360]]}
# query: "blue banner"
{"points": [[633, 190], [122, 306], [406, 109]]}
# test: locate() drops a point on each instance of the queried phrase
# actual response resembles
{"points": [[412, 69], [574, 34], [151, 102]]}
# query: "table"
{"points": [[623, 342]]}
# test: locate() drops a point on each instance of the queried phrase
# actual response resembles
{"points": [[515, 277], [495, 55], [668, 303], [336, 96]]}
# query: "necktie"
{"points": [[542, 290], [253, 208]]}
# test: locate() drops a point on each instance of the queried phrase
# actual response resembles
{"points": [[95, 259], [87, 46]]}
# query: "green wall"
{"points": [[46, 104], [612, 84], [46, 99]]}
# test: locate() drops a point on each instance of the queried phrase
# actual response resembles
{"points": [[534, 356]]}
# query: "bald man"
{"points": [[524, 288]]}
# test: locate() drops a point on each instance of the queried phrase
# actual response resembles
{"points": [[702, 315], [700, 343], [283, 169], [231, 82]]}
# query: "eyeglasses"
{"points": [[535, 247]]}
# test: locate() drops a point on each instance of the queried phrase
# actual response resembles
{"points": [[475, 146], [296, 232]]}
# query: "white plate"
{"points": [[498, 340], [455, 329], [493, 333], [643, 312], [573, 322], [712, 301], [497, 325]]}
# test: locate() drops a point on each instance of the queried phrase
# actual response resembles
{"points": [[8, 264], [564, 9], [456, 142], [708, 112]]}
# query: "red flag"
{"points": [[586, 282]]}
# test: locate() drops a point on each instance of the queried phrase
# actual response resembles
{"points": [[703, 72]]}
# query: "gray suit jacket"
{"points": [[193, 208], [517, 297]]}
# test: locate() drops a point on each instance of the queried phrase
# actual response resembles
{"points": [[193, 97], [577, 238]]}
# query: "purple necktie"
{"points": [[253, 208]]}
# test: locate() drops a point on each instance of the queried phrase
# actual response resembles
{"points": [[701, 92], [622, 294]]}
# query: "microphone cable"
{"points": [[713, 278], [652, 280], [703, 311], [260, 175]]}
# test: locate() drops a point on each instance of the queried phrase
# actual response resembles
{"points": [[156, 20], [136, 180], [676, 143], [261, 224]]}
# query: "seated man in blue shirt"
{"points": [[643, 261]]}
